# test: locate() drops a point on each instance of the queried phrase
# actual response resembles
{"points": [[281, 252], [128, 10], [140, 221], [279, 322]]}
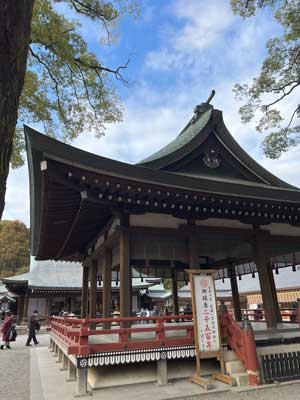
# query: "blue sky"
{"points": [[181, 50]]}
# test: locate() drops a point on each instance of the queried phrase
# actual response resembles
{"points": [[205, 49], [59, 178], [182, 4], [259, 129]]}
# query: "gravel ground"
{"points": [[15, 369], [290, 391], [15, 382]]}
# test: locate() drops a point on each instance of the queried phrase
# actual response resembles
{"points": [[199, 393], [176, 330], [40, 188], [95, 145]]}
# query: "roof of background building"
{"points": [[3, 289], [65, 275], [286, 279]]}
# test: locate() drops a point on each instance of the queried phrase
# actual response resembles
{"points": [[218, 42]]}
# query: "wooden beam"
{"points": [[25, 310], [175, 292], [93, 288], [84, 294], [274, 293], [235, 294], [125, 292], [264, 279], [106, 296], [193, 246], [108, 243], [20, 312]]}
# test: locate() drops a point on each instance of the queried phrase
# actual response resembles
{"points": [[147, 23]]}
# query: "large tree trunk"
{"points": [[15, 24]]}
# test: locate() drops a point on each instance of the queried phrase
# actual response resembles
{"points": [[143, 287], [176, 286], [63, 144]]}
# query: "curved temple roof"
{"points": [[74, 193], [192, 129]]}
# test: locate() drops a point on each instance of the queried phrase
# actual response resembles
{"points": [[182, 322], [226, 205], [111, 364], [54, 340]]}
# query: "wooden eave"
{"points": [[217, 127], [76, 193]]}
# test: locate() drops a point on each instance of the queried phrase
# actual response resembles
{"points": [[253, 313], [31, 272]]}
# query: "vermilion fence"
{"points": [[79, 336], [240, 338], [289, 315], [75, 333]]}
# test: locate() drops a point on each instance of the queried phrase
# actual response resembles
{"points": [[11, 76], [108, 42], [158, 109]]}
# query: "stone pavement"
{"points": [[15, 369], [34, 375]]}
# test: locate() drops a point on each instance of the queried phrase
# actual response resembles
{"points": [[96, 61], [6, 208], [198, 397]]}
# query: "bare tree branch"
{"points": [[293, 115], [98, 67], [284, 95], [54, 80]]}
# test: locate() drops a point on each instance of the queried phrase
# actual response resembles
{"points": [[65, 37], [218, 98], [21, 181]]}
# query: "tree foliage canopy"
{"points": [[14, 244], [279, 77], [67, 88]]}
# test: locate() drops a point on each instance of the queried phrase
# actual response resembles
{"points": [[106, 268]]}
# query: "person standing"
{"points": [[33, 326], [5, 329]]}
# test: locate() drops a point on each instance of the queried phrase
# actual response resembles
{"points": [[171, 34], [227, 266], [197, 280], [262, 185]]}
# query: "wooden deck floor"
{"points": [[261, 332]]}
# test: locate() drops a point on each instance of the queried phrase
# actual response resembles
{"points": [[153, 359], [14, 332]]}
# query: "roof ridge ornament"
{"points": [[200, 109]]}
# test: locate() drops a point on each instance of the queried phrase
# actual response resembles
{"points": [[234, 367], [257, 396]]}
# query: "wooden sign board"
{"points": [[206, 325]]}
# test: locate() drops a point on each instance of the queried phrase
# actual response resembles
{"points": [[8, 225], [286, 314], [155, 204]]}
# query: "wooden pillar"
{"points": [[106, 295], [84, 294], [264, 280], [93, 290], [20, 311], [175, 292], [25, 309], [274, 293], [47, 306], [235, 293], [193, 246], [125, 292]]}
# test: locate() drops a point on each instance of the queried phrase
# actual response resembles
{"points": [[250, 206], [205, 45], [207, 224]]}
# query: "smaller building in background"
{"points": [[7, 301], [287, 281], [52, 287]]}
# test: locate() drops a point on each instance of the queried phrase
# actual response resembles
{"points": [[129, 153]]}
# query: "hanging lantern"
{"points": [[223, 280], [276, 271], [141, 276], [99, 278], [147, 265], [240, 277], [294, 263], [253, 274]]}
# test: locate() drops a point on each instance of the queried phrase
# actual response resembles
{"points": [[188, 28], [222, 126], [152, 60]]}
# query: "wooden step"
{"points": [[241, 378], [234, 367], [229, 356]]}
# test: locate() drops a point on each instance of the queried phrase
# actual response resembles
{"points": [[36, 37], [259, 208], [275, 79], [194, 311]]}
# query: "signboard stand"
{"points": [[206, 325]]}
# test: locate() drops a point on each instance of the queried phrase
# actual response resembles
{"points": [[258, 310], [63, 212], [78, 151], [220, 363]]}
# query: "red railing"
{"points": [[289, 315], [75, 333], [241, 340]]}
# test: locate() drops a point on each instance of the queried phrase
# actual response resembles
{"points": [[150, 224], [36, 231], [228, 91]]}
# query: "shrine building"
{"points": [[199, 202]]}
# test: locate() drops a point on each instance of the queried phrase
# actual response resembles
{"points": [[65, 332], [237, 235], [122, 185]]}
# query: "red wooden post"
{"points": [[298, 310], [249, 349], [160, 334], [83, 338]]}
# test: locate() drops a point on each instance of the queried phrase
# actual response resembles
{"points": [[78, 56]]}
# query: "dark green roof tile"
{"points": [[185, 136]]}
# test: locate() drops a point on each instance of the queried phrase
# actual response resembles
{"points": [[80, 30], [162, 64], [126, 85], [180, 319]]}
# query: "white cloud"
{"points": [[230, 51], [205, 23], [17, 196]]}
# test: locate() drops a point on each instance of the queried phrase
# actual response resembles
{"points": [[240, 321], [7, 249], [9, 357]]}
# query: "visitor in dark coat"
{"points": [[5, 329], [33, 326]]}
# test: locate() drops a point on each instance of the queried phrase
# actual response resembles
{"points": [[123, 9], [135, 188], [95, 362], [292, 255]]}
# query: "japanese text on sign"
{"points": [[206, 310]]}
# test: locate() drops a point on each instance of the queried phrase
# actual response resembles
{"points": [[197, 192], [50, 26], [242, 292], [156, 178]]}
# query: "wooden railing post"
{"points": [[249, 349], [160, 334], [83, 337], [298, 311], [124, 337]]}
